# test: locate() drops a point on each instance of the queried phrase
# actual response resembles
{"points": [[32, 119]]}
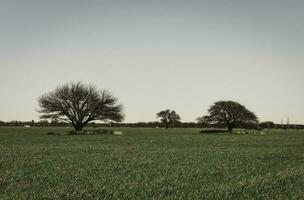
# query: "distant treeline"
{"points": [[45, 123], [154, 124]]}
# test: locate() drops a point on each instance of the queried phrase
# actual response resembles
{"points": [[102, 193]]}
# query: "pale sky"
{"points": [[156, 54]]}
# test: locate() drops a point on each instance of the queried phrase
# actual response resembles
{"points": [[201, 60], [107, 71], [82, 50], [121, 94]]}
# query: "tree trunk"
{"points": [[230, 127], [78, 127], [167, 126]]}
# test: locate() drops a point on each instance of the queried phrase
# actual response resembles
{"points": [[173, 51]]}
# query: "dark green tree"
{"points": [[168, 118], [229, 113], [79, 104]]}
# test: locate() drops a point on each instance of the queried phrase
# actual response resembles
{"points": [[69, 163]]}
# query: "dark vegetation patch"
{"points": [[213, 131]]}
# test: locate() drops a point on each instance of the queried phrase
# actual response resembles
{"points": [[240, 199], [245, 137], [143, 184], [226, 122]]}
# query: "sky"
{"points": [[153, 55]]}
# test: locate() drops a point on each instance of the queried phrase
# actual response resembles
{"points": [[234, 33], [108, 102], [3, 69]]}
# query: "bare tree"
{"points": [[168, 117], [79, 104], [230, 113]]}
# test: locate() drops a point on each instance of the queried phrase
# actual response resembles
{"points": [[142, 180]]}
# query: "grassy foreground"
{"points": [[150, 164]]}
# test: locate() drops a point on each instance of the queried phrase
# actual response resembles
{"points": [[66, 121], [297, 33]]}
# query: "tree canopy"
{"points": [[168, 117], [79, 104], [230, 113]]}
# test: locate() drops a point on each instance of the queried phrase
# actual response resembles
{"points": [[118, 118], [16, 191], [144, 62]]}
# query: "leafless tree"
{"points": [[79, 104]]}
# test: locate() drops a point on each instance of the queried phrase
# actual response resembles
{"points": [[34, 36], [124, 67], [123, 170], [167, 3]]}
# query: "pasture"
{"points": [[150, 164]]}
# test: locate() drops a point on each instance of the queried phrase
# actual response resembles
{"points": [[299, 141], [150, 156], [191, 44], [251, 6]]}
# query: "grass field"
{"points": [[150, 164]]}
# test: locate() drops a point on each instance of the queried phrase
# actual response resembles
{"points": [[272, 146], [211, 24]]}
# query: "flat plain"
{"points": [[150, 164]]}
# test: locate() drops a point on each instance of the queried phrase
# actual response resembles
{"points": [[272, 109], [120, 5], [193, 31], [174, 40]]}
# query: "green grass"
{"points": [[150, 164]]}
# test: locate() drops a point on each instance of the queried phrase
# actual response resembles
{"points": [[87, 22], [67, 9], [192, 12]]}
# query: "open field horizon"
{"points": [[141, 99]]}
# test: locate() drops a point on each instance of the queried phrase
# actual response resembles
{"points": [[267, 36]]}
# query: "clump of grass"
{"points": [[245, 132], [236, 131], [87, 132], [92, 132]]}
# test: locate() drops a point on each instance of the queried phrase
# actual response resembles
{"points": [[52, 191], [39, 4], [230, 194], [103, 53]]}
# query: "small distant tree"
{"points": [[79, 104], [230, 113], [168, 118], [42, 123], [267, 124]]}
